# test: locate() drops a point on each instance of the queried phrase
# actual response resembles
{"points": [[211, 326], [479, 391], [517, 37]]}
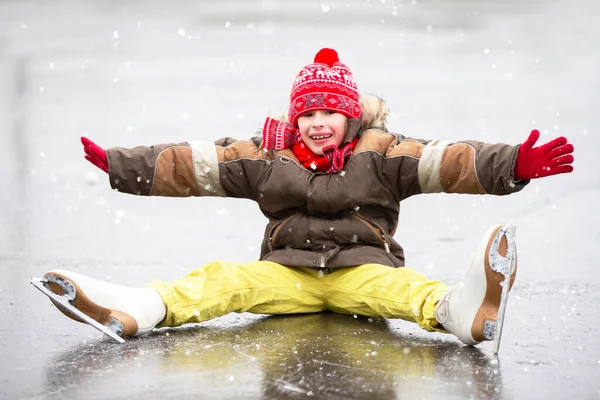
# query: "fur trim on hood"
{"points": [[374, 113]]}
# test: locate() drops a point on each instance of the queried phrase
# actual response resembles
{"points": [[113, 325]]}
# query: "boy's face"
{"points": [[322, 128]]}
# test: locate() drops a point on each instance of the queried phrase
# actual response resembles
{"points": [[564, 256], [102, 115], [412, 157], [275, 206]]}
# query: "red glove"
{"points": [[548, 159], [95, 154]]}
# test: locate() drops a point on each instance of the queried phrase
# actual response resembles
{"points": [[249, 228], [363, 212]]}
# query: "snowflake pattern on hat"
{"points": [[315, 100]]}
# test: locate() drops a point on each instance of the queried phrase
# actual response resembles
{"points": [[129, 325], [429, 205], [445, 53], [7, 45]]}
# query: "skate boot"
{"points": [[118, 311], [473, 310]]}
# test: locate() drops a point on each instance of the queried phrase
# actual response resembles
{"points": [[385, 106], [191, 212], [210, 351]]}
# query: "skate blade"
{"points": [[62, 302], [506, 267]]}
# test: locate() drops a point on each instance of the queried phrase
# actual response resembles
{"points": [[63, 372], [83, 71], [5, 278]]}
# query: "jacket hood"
{"points": [[374, 113]]}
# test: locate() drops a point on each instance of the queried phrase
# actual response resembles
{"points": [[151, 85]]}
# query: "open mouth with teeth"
{"points": [[320, 137]]}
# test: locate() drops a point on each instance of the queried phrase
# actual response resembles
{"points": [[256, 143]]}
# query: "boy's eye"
{"points": [[311, 114]]}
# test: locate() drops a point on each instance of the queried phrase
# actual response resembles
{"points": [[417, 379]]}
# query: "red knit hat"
{"points": [[325, 85]]}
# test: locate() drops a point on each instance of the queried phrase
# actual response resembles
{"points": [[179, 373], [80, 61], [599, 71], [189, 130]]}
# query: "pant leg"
{"points": [[380, 291], [219, 288]]}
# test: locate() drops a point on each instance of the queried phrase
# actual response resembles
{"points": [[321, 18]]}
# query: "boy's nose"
{"points": [[318, 118]]}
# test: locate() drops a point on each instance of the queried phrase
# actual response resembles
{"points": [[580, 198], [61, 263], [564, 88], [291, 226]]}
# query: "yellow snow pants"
{"points": [[264, 287]]}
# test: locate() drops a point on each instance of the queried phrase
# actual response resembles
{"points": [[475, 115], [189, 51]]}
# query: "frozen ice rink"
{"points": [[145, 72]]}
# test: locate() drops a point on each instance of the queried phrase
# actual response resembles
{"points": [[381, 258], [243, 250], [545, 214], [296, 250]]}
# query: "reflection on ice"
{"points": [[326, 354]]}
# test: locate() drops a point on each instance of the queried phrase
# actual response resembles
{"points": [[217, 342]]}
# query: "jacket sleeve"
{"points": [[185, 169], [468, 167]]}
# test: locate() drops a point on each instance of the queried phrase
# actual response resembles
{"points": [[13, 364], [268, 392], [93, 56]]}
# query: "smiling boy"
{"points": [[330, 179]]}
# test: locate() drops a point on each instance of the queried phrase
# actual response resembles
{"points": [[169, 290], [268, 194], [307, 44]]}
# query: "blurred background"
{"points": [[127, 73]]}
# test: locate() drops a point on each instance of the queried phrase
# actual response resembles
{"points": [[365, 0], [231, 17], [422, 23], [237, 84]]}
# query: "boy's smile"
{"points": [[322, 128]]}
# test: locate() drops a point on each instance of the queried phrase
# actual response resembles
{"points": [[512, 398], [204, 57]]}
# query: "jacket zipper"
{"points": [[375, 227]]}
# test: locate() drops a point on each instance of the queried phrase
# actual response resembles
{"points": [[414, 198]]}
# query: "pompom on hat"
{"points": [[327, 84]]}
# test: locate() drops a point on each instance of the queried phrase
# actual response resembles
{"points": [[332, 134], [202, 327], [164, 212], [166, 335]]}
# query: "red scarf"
{"points": [[278, 135], [331, 162]]}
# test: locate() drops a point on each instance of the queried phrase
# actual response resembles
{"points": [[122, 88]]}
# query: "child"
{"points": [[329, 179]]}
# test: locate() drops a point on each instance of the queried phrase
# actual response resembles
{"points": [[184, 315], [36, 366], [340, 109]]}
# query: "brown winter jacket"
{"points": [[319, 220]]}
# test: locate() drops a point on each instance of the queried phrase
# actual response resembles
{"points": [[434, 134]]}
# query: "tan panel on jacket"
{"points": [[240, 150], [174, 174], [375, 140], [407, 148], [457, 171]]}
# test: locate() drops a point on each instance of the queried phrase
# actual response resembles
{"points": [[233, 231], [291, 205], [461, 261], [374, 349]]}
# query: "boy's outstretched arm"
{"points": [[161, 170], [181, 170], [415, 166]]}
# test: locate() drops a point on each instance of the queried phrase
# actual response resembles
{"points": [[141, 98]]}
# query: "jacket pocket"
{"points": [[275, 230], [377, 229]]}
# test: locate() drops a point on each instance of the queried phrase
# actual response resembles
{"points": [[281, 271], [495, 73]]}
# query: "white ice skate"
{"points": [[473, 310], [118, 311]]}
